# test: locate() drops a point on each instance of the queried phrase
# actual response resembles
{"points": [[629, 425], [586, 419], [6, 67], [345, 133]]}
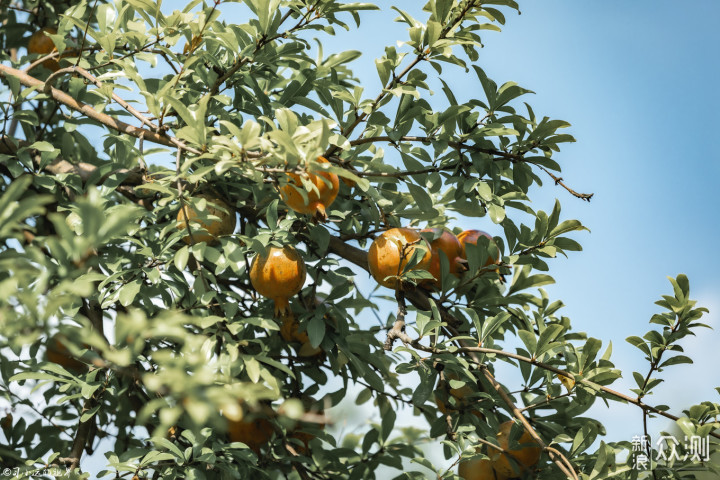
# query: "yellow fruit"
{"points": [[480, 469], [307, 350], [218, 219], [459, 394], [319, 198], [525, 457], [41, 44], [450, 246], [470, 237], [390, 252], [254, 432], [58, 353], [462, 396], [290, 332], [279, 274]]}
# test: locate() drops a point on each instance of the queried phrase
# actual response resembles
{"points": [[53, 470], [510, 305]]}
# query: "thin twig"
{"points": [[398, 329]]}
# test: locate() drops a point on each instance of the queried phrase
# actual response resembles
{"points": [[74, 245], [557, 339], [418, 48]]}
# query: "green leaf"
{"points": [[316, 330], [546, 338], [421, 197], [128, 292], [181, 258], [252, 367], [522, 281], [676, 360], [529, 339]]}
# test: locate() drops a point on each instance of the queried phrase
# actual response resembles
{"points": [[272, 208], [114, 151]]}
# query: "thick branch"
{"points": [[59, 166], [81, 437], [90, 112]]}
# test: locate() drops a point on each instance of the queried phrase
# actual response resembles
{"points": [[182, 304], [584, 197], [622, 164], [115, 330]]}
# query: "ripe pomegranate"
{"points": [[480, 469], [319, 198], [525, 457], [462, 398], [218, 219], [290, 332], [278, 274], [58, 353], [390, 252], [304, 433], [253, 432], [470, 237], [450, 246], [41, 44]]}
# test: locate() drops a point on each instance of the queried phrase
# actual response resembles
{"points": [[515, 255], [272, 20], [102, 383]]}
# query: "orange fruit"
{"points": [[480, 469], [390, 252], [41, 44], [462, 402], [254, 432], [527, 456], [470, 237], [325, 186], [218, 219], [290, 332], [279, 274], [448, 244], [58, 353]]}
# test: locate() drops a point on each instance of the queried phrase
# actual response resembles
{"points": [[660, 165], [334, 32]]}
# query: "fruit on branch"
{"points": [[278, 274], [448, 244], [470, 237], [41, 44], [525, 457], [462, 397], [57, 352], [305, 438], [391, 252], [321, 192], [254, 431], [290, 332], [302, 434], [478, 469], [206, 226]]}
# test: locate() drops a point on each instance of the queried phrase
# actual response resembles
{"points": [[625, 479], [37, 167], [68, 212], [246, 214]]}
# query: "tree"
{"points": [[128, 315]]}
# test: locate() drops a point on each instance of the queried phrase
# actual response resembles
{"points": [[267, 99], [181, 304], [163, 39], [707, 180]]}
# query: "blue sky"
{"points": [[637, 80]]}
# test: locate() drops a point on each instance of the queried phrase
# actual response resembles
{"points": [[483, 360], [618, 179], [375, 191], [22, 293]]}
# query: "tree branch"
{"points": [[90, 112], [81, 437], [501, 155]]}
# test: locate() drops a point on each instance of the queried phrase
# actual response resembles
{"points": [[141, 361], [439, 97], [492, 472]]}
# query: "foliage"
{"points": [[153, 108]]}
